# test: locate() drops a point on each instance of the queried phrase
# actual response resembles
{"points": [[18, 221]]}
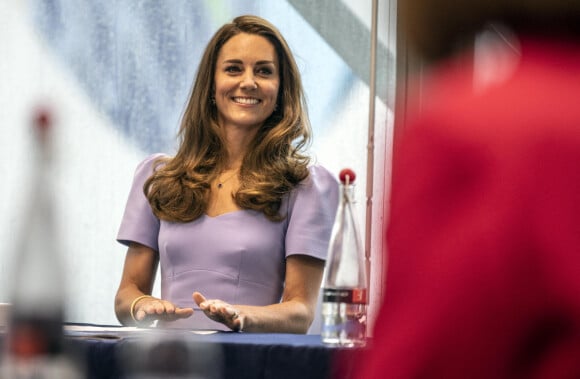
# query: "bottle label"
{"points": [[352, 296]]}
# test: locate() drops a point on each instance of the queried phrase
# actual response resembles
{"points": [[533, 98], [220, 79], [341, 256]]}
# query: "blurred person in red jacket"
{"points": [[483, 279]]}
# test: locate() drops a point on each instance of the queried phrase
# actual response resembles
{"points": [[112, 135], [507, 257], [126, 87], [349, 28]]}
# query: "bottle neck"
{"points": [[347, 193]]}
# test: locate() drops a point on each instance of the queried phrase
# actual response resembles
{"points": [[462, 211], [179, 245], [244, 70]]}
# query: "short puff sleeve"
{"points": [[139, 224], [311, 211]]}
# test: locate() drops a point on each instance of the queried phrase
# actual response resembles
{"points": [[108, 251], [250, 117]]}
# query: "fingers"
{"points": [[179, 314], [220, 311], [156, 309], [198, 298]]}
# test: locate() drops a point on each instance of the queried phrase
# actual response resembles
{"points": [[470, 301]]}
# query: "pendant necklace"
{"points": [[221, 183]]}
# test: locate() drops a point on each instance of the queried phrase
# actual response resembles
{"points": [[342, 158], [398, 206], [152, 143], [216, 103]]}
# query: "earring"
{"points": [[212, 99]]}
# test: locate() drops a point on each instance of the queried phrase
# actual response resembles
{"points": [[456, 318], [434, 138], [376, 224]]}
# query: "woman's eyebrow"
{"points": [[239, 61]]}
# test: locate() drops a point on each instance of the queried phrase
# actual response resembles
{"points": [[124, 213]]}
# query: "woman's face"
{"points": [[247, 80]]}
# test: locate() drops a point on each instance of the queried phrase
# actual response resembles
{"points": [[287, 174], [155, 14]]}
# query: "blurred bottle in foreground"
{"points": [[344, 293], [170, 354], [35, 346]]}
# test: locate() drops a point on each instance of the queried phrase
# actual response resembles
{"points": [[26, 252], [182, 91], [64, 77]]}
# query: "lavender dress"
{"points": [[238, 257]]}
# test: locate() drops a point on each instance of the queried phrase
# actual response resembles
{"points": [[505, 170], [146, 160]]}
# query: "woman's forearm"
{"points": [[286, 317]]}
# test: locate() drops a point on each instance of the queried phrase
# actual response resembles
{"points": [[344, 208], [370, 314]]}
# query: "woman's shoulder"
{"points": [[320, 174], [146, 167], [319, 182], [152, 159], [150, 162], [313, 203]]}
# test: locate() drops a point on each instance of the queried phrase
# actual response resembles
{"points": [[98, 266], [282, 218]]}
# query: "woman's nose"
{"points": [[248, 81]]}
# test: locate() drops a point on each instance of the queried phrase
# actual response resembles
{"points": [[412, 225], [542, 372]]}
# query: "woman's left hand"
{"points": [[220, 311]]}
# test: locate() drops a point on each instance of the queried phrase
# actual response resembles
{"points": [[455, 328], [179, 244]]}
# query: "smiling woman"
{"points": [[118, 75], [240, 171]]}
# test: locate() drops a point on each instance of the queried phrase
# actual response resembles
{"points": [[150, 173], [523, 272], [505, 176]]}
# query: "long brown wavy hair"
{"points": [[179, 188]]}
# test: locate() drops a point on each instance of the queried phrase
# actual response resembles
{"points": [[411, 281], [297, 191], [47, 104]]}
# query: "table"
{"points": [[116, 352]]}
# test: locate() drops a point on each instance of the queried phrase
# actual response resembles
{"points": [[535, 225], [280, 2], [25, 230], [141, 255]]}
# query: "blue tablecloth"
{"points": [[221, 355]]}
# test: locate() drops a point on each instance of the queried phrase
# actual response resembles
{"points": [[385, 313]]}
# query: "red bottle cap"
{"points": [[347, 176], [42, 122]]}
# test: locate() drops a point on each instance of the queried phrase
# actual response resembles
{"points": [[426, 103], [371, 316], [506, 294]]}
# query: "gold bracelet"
{"points": [[132, 309]]}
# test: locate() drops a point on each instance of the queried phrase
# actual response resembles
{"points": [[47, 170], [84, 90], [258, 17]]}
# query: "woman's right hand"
{"points": [[149, 309]]}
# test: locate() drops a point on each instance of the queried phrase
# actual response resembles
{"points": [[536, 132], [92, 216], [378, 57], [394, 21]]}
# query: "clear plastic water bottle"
{"points": [[35, 344], [344, 294]]}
